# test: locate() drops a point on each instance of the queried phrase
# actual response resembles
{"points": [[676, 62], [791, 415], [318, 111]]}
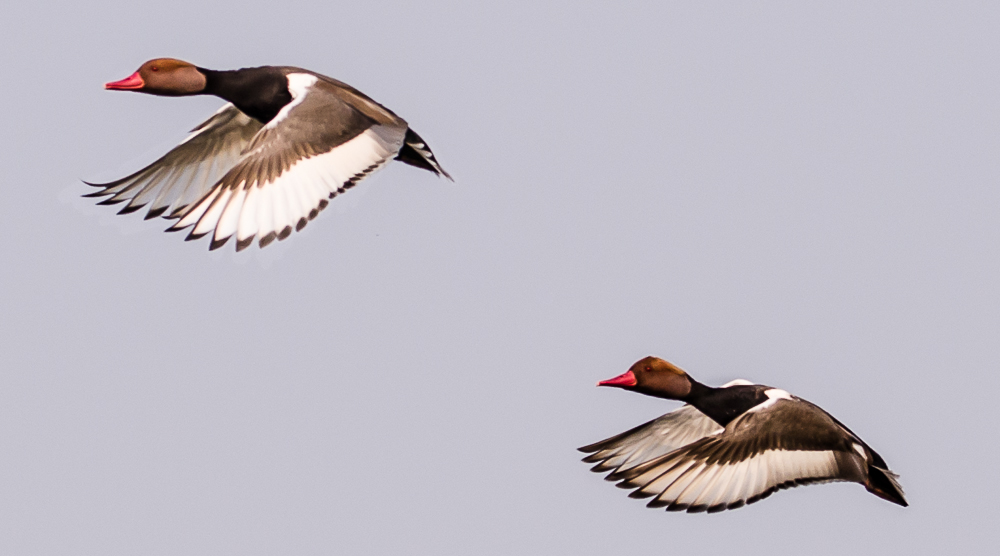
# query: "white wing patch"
{"points": [[270, 210], [186, 173], [654, 439], [681, 483]]}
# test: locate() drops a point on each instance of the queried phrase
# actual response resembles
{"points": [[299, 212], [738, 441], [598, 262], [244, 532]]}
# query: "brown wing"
{"points": [[188, 171], [316, 147], [650, 440], [790, 443]]}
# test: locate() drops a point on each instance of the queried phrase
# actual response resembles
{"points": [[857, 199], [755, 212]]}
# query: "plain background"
{"points": [[802, 196]]}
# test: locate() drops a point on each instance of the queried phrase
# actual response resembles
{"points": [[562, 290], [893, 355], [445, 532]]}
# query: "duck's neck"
{"points": [[706, 400], [698, 392], [228, 85], [258, 92], [723, 405]]}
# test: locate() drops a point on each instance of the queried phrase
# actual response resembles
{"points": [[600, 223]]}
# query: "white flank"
{"points": [[777, 394], [298, 87], [857, 448], [773, 395]]}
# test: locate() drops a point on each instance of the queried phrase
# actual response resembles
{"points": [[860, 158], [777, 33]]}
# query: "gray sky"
{"points": [[800, 196]]}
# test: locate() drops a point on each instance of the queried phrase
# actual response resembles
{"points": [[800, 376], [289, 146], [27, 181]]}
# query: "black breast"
{"points": [[258, 92], [725, 404]]}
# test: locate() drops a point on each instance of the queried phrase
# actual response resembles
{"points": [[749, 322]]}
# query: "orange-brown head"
{"points": [[654, 377], [165, 77]]}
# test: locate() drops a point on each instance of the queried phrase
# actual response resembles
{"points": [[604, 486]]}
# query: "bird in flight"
{"points": [[287, 141], [731, 446]]}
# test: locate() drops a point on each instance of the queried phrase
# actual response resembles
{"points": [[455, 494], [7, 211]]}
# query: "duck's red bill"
{"points": [[627, 379], [133, 81]]}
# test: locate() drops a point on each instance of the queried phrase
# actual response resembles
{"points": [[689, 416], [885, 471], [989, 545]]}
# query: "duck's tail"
{"points": [[885, 484], [416, 152]]}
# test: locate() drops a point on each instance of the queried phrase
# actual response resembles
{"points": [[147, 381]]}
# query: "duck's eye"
{"points": [[648, 368], [155, 68]]}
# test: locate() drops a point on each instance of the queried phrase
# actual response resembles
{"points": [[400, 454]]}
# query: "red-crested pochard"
{"points": [[731, 446], [267, 162]]}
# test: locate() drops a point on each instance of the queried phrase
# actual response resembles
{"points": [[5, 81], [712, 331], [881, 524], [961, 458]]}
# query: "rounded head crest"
{"points": [[655, 377], [163, 76]]}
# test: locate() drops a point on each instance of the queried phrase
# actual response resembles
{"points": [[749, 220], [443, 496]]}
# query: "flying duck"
{"points": [[267, 162], [731, 446]]}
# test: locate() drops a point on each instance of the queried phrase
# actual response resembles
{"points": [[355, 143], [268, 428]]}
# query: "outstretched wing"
{"points": [[316, 147], [788, 444], [650, 440], [188, 171]]}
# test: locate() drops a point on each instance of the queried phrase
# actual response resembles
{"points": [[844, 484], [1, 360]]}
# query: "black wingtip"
{"points": [[285, 232], [266, 240], [177, 213], [592, 448], [129, 209], [216, 243], [625, 476], [153, 213], [736, 505], [242, 244], [601, 467], [193, 236], [111, 201]]}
